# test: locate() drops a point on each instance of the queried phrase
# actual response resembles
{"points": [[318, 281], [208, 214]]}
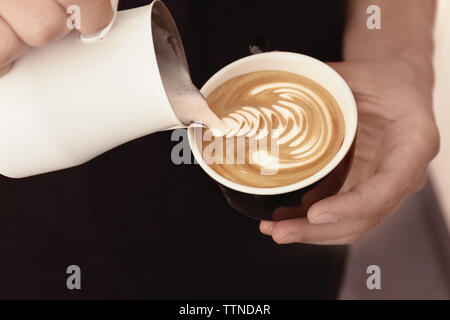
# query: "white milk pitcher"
{"points": [[65, 104]]}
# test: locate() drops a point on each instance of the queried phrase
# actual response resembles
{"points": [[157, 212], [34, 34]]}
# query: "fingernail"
{"points": [[89, 38], [267, 226], [324, 218], [290, 238]]}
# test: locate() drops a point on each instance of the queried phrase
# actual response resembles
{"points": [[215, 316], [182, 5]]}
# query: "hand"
{"points": [[36, 23], [397, 138]]}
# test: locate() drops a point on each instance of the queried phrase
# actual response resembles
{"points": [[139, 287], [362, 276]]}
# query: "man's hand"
{"points": [[36, 23], [391, 75], [397, 138]]}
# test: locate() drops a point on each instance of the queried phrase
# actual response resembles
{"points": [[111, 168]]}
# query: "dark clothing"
{"points": [[141, 227]]}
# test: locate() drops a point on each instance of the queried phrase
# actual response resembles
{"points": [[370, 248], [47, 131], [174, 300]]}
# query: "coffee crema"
{"points": [[275, 107]]}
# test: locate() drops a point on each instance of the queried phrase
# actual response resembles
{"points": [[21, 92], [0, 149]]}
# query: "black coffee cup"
{"points": [[293, 200]]}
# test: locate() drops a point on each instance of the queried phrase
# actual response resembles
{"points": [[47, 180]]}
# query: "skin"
{"points": [[390, 73], [36, 23], [389, 70]]}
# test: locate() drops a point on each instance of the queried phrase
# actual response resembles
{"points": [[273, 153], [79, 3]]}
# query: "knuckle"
{"points": [[428, 137]]}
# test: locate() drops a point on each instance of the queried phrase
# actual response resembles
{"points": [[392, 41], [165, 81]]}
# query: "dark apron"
{"points": [[141, 227]]}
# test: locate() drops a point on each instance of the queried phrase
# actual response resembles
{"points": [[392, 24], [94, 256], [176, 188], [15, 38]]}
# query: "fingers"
{"points": [[266, 227], [404, 158], [39, 22], [11, 47], [36, 22], [95, 15], [342, 241], [300, 230], [379, 194], [5, 69], [409, 143], [345, 217]]}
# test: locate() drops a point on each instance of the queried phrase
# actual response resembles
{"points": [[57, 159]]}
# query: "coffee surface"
{"points": [[282, 129]]}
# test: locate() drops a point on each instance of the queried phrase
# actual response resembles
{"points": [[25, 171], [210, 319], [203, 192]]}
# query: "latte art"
{"points": [[294, 112]]}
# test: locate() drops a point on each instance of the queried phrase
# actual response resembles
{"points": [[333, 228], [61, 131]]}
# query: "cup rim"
{"points": [[338, 158]]}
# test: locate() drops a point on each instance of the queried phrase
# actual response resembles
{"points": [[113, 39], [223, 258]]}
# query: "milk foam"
{"points": [[298, 114]]}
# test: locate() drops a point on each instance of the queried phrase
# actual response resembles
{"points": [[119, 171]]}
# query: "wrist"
{"points": [[412, 64]]}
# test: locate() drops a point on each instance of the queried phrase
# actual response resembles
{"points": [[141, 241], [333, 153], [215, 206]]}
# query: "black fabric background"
{"points": [[141, 227]]}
